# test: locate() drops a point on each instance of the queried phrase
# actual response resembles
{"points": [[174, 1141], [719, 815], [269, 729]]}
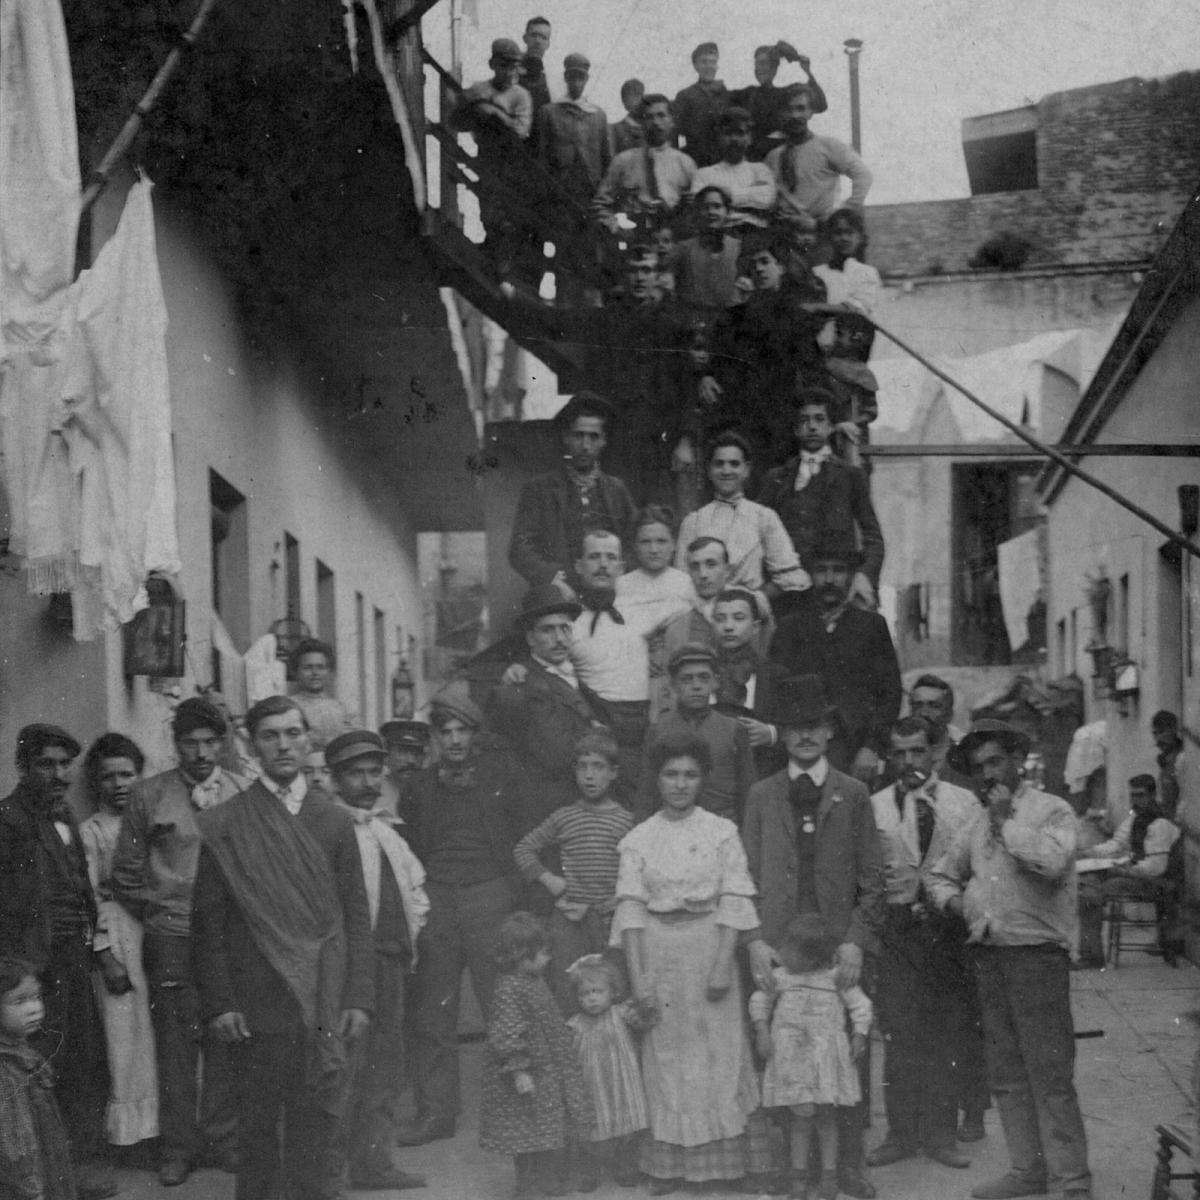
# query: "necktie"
{"points": [[804, 795], [651, 178], [925, 822], [788, 163]]}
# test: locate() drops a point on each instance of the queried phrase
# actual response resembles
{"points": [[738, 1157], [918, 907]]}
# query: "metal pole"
{"points": [[853, 48], [1184, 543]]}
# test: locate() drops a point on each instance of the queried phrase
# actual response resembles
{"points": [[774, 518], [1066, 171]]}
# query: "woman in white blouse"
{"points": [[848, 280], [683, 895]]}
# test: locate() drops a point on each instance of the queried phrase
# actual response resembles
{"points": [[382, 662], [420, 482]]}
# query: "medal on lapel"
{"points": [[807, 826]]}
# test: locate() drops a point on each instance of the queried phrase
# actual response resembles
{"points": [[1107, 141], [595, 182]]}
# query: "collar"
{"points": [[817, 456], [362, 816], [818, 772], [291, 794], [583, 104], [730, 501], [564, 670]]}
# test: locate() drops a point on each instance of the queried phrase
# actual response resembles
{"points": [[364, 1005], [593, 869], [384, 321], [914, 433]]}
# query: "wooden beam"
{"points": [[405, 21], [1090, 450]]}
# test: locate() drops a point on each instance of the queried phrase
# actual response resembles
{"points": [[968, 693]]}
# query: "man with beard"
{"points": [[398, 905], [1011, 875], [154, 870], [924, 987], [932, 699], [281, 950], [808, 167], [766, 102], [749, 186], [852, 652], [462, 820], [48, 917]]}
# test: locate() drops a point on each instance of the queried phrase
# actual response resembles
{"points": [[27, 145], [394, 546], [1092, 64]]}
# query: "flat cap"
{"points": [[405, 733], [691, 652], [353, 744], [576, 62], [506, 48]]}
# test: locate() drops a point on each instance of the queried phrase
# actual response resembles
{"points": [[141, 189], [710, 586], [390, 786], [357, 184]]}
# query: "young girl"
{"points": [[800, 1030], [33, 1151], [534, 1103], [605, 1048]]}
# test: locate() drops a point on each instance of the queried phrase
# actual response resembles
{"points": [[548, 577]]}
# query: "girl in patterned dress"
{"points": [[534, 1103], [800, 1030], [604, 1043]]}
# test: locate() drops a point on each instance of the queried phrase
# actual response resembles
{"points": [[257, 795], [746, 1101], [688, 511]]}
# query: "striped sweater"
{"points": [[586, 836]]}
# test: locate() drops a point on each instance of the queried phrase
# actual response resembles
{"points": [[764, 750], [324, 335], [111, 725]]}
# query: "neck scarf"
{"points": [[598, 602], [810, 465]]}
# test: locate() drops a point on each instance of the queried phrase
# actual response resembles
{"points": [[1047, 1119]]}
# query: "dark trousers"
{"points": [[570, 940], [273, 1074], [924, 1014], [1025, 995], [179, 1044], [460, 932], [72, 1038], [375, 1078]]}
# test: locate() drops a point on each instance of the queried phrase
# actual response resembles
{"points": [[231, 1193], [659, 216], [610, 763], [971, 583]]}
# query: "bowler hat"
{"points": [[353, 744], [506, 48], [691, 652], [987, 730], [832, 547], [801, 701], [543, 600], [405, 733], [454, 702], [576, 62]]}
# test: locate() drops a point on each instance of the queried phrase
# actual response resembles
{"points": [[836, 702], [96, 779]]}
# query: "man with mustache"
{"points": [[852, 651], [48, 916], [398, 906], [281, 947]]}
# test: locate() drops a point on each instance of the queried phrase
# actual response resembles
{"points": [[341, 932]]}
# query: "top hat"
{"points": [[405, 733], [353, 744], [801, 701], [541, 601], [987, 730]]}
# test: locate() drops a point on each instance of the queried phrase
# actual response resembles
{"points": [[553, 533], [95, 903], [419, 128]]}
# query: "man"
{"points": [[407, 745], [462, 821], [1164, 728], [706, 266], [766, 102], [852, 651], [544, 716], [811, 845], [397, 903], [555, 510], [533, 72], [652, 180], [699, 106], [1011, 875], [628, 133], [750, 186], [808, 167], [932, 699], [281, 950], [924, 986], [48, 917], [820, 497], [1141, 848], [153, 874]]}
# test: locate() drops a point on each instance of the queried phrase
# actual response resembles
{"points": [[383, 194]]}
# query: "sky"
{"points": [[925, 65]]}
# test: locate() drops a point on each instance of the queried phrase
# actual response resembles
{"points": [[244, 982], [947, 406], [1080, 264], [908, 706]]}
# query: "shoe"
{"points": [[854, 1181], [664, 1187], [1091, 963], [1009, 1186], [174, 1171], [890, 1151], [948, 1156], [426, 1129], [95, 1181], [394, 1180], [971, 1129]]}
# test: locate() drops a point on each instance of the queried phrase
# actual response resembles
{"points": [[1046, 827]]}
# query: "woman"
{"points": [[683, 895], [848, 280], [112, 766]]}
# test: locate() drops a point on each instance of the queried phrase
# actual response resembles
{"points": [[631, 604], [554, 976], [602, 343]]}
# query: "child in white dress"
{"points": [[800, 1030], [604, 1043]]}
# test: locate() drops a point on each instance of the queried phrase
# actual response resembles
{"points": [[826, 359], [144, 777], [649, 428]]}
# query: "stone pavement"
{"points": [[1133, 1077]]}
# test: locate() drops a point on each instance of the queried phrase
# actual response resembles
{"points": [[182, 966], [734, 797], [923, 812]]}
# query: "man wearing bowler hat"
{"points": [[396, 899], [550, 710], [1011, 875], [812, 846], [852, 651]]}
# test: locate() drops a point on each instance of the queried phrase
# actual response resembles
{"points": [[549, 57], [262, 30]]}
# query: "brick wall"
{"points": [[1116, 164]]}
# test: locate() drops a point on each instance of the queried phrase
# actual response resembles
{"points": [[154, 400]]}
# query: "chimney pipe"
{"points": [[853, 48]]}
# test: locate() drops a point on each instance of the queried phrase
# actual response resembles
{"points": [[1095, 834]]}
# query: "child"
{"points": [[694, 681], [312, 664], [33, 1151], [534, 1102], [800, 1030], [585, 833], [608, 1056]]}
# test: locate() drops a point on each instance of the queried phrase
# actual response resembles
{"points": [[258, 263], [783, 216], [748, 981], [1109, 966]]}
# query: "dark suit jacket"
{"points": [[541, 544], [542, 719], [834, 506], [856, 662], [31, 854], [232, 974], [768, 677], [849, 868]]}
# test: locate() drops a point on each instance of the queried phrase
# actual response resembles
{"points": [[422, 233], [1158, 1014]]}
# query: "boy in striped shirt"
{"points": [[585, 834]]}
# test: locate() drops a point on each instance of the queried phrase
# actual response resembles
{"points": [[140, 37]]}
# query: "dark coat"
{"points": [[542, 719], [849, 868], [697, 109], [232, 973], [857, 664], [546, 530], [31, 854], [768, 678], [767, 105], [834, 506]]}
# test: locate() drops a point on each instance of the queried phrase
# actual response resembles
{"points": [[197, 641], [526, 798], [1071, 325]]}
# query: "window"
{"points": [[360, 648], [291, 576], [381, 681], [326, 605], [230, 543], [1060, 646], [1122, 622]]}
